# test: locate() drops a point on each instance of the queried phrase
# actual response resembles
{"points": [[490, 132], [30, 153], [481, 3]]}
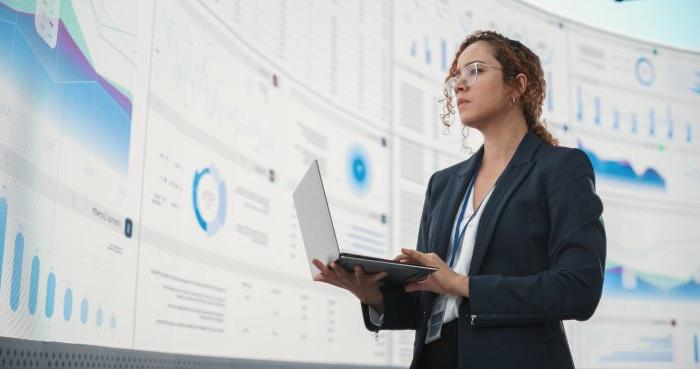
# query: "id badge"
{"points": [[436, 316]]}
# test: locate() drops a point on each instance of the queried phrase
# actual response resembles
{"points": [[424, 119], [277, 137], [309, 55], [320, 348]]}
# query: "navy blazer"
{"points": [[539, 258]]}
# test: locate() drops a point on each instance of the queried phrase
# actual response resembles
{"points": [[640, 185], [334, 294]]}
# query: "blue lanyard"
{"points": [[456, 241]]}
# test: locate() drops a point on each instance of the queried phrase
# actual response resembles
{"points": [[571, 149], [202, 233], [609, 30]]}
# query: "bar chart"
{"points": [[35, 284]]}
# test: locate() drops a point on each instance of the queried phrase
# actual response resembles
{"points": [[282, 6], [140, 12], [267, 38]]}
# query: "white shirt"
{"points": [[463, 259]]}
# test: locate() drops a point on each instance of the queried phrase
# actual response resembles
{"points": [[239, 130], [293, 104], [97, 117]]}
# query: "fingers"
{"points": [[415, 286], [412, 253], [405, 259], [359, 274], [328, 275], [337, 275], [340, 272], [334, 271], [321, 266], [426, 259], [360, 279], [415, 256], [428, 284], [400, 257], [378, 276], [321, 278]]}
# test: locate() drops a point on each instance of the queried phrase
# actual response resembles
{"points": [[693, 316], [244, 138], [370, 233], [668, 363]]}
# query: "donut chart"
{"points": [[644, 71], [209, 224]]}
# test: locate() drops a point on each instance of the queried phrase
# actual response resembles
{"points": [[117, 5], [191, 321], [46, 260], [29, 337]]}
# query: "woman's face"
{"points": [[489, 96]]}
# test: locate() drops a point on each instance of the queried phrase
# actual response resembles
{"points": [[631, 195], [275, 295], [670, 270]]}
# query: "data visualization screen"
{"points": [[149, 151]]}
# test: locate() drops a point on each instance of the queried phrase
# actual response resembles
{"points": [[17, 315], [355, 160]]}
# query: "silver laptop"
{"points": [[320, 240]]}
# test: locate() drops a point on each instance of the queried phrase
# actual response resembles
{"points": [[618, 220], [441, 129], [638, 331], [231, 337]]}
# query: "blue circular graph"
{"points": [[645, 72], [210, 226], [359, 170]]}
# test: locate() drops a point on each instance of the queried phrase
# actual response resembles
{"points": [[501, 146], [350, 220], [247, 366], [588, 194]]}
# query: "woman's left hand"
{"points": [[443, 281]]}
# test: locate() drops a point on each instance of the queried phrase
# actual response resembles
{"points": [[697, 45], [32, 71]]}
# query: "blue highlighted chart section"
{"points": [[359, 170], [620, 282], [65, 86], [209, 199], [621, 170], [34, 288]]}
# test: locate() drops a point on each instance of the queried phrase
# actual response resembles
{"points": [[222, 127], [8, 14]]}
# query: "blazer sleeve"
{"points": [[571, 288], [401, 307]]}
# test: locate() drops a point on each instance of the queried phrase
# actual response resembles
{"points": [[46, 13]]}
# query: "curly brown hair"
{"points": [[514, 58]]}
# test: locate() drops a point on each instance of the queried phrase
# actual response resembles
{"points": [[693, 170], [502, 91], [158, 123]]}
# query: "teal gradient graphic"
{"points": [[65, 89]]}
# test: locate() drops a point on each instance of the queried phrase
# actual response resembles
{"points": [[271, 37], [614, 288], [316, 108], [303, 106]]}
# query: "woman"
{"points": [[515, 230]]}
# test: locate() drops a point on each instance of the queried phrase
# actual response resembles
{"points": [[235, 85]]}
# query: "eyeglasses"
{"points": [[468, 74]]}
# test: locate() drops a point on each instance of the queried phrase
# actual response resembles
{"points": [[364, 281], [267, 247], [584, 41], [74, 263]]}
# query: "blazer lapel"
{"points": [[455, 190], [519, 166]]}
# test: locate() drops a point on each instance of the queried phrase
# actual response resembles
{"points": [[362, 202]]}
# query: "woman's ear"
{"points": [[520, 84]]}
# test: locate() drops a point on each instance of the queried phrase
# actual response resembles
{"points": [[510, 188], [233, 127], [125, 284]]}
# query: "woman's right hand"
{"points": [[364, 286]]}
